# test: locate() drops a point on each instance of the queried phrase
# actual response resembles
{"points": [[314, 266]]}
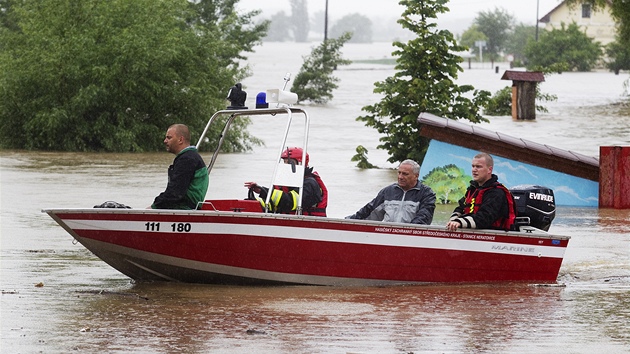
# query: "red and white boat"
{"points": [[236, 242]]}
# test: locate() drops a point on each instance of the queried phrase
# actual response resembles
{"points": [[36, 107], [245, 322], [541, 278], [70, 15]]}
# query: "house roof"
{"points": [[547, 17], [534, 76]]}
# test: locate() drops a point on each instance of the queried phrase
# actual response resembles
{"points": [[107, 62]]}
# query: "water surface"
{"points": [[58, 298]]}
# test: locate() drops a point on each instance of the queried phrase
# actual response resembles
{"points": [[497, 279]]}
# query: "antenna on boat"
{"points": [[287, 78]]}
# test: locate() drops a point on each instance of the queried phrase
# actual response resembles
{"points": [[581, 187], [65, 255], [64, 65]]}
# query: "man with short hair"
{"points": [[407, 201], [487, 204], [187, 176]]}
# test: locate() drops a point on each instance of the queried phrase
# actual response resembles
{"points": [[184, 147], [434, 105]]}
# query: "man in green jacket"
{"points": [[187, 176]]}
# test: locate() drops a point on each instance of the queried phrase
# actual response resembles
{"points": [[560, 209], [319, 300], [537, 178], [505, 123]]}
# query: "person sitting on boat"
{"points": [[187, 176], [284, 199], [487, 204], [407, 201]]}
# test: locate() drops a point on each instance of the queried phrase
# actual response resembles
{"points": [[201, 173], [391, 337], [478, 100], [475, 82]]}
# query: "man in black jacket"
{"points": [[487, 203], [187, 176]]}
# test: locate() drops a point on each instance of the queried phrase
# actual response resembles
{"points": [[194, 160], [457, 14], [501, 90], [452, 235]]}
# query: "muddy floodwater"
{"points": [[58, 298]]}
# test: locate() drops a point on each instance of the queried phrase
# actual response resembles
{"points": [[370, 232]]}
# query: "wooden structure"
{"points": [[523, 92], [614, 177], [494, 143]]}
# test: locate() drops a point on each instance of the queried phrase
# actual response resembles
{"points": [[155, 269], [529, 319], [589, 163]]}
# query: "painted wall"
{"points": [[448, 181]]}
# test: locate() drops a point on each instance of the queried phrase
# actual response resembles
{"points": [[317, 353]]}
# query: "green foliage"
{"points": [[361, 158], [314, 82], [618, 55], [472, 35], [544, 97], [112, 75], [496, 25], [567, 47], [359, 25], [449, 183], [501, 102], [517, 42], [424, 81]]}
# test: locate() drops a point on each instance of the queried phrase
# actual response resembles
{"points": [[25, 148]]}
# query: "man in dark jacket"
{"points": [[487, 203], [407, 201], [284, 200], [187, 176]]}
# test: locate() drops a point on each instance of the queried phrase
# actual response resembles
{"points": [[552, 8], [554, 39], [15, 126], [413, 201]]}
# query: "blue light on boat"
{"points": [[261, 100]]}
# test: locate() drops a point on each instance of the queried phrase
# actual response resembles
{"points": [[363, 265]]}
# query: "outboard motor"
{"points": [[535, 202]]}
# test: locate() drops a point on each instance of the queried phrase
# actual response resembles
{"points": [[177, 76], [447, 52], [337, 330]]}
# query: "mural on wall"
{"points": [[446, 169]]}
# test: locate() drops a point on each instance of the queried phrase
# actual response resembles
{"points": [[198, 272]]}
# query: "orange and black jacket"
{"points": [[489, 206]]}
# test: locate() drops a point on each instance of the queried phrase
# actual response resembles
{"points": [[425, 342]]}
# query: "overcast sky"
{"points": [[461, 15]]}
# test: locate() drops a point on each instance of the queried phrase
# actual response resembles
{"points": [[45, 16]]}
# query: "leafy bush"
{"points": [[561, 49], [500, 104], [96, 75], [315, 82]]}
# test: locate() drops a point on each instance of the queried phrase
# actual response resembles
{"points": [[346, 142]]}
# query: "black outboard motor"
{"points": [[535, 202]]}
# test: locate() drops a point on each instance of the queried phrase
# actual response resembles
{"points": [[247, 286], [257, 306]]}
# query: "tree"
{"points": [[566, 46], [314, 82], [618, 56], [359, 25], [496, 26], [517, 42], [112, 75], [279, 28], [449, 183], [299, 20], [426, 70], [472, 35]]}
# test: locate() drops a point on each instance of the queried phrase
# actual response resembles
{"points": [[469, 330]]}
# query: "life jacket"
{"points": [[320, 208], [276, 194], [475, 198]]}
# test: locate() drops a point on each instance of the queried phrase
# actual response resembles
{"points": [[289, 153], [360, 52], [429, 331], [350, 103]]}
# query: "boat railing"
{"points": [[289, 175]]}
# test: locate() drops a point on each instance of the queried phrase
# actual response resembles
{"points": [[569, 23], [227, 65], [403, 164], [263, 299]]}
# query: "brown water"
{"points": [[58, 298]]}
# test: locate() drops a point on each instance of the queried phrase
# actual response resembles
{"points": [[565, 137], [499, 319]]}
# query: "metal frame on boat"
{"points": [[237, 242]]}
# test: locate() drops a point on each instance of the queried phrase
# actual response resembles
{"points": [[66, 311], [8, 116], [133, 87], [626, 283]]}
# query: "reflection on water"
{"points": [[198, 318], [80, 304]]}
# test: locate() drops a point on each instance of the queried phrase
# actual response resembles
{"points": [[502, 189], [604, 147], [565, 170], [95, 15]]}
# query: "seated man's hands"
{"points": [[253, 186]]}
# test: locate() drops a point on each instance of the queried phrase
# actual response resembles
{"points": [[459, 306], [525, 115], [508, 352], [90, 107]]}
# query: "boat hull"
{"points": [[246, 248]]}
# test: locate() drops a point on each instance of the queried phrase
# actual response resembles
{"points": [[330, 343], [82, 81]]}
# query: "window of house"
{"points": [[586, 10]]}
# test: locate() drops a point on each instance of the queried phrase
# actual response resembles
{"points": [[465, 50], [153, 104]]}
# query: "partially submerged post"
{"points": [[614, 177], [523, 92]]}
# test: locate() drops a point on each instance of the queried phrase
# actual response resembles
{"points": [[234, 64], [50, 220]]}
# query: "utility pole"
{"points": [[326, 23], [537, 6]]}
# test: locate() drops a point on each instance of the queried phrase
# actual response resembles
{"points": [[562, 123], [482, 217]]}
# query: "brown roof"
{"points": [[535, 76]]}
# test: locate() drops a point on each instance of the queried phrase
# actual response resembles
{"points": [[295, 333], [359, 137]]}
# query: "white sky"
{"points": [[462, 11]]}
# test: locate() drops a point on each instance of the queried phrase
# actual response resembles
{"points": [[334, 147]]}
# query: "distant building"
{"points": [[598, 25]]}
